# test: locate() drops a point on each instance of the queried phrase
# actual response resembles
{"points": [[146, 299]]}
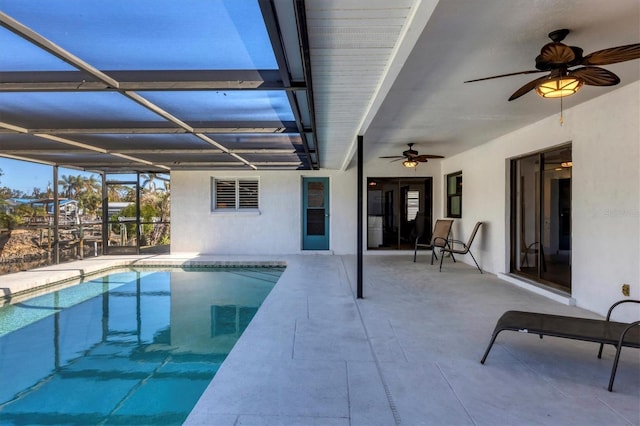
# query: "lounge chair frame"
{"points": [[608, 332]]}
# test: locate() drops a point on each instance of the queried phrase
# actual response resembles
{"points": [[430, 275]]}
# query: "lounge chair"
{"points": [[608, 332], [459, 247], [439, 237]]}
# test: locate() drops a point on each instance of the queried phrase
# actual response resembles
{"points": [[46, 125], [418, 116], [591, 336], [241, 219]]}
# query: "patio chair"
{"points": [[439, 237], [533, 249], [462, 247]]}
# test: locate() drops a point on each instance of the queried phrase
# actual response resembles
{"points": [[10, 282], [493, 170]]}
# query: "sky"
{"points": [[25, 176]]}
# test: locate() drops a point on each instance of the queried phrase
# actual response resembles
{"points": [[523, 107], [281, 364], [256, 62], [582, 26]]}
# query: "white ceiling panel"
{"points": [[395, 71], [351, 43]]}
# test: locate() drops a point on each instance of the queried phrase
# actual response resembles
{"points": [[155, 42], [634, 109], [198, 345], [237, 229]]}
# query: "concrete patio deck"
{"points": [[408, 353]]}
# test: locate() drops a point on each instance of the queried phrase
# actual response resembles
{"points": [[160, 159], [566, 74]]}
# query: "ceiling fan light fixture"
{"points": [[559, 87], [410, 163]]}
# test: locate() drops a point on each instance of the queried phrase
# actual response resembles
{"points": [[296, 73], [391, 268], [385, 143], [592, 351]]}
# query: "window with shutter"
{"points": [[248, 194], [235, 194], [225, 195]]}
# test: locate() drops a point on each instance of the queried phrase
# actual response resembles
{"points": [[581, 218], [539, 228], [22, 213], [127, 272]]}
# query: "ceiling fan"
{"points": [[557, 59], [411, 157]]}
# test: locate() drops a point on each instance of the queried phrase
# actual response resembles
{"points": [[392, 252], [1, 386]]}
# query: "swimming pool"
{"points": [[131, 347]]}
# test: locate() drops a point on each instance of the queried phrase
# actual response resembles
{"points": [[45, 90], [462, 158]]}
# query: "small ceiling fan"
{"points": [[411, 157], [557, 59]]}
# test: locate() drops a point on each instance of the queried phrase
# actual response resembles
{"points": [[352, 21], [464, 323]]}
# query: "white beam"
{"points": [[416, 23]]}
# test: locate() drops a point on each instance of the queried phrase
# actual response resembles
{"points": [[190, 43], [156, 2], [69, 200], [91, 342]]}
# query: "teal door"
{"points": [[315, 213]]}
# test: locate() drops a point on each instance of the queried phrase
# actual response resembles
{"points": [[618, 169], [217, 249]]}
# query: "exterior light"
{"points": [[410, 163], [559, 87], [567, 164]]}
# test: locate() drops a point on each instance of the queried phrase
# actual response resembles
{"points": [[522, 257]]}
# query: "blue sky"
{"points": [[25, 176]]}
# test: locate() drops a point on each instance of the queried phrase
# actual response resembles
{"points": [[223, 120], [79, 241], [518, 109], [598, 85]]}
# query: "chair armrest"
{"points": [[620, 302], [444, 243], [462, 243]]}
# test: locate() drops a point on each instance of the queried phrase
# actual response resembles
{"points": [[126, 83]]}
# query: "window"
{"points": [[413, 204], [454, 194], [235, 194], [541, 217]]}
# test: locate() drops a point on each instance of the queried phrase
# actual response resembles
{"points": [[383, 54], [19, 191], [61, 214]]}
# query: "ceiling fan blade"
{"points": [[613, 55], [527, 87], [424, 157], [504, 75], [553, 54], [595, 76], [393, 156]]}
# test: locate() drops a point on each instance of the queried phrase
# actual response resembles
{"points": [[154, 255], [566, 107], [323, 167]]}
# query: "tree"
{"points": [[90, 184], [88, 195], [70, 185], [149, 181], [37, 193]]}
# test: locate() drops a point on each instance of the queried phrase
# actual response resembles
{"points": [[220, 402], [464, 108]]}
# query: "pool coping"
{"points": [[44, 279]]}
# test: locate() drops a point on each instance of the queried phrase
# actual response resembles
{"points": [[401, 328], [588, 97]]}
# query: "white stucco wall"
{"points": [[275, 230], [605, 137]]}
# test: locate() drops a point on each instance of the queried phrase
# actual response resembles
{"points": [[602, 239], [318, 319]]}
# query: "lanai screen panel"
{"points": [[152, 34], [154, 81]]}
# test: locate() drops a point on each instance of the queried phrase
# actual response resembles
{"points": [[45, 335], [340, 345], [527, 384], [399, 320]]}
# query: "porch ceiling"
{"points": [[394, 71]]}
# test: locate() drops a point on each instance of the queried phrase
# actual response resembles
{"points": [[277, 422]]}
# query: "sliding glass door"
{"points": [[541, 217], [394, 208]]}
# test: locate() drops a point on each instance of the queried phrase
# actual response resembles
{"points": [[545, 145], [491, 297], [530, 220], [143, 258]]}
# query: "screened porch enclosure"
{"points": [[132, 87]]}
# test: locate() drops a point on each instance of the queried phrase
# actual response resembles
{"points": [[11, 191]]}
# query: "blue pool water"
{"points": [[134, 347]]}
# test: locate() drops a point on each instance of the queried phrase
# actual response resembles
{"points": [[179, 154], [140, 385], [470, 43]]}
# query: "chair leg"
{"points": [[614, 368], [450, 253], [486, 353], [600, 351], [442, 253], [474, 259], [433, 254], [618, 350]]}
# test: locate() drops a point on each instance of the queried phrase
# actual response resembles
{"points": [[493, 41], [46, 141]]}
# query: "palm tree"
{"points": [[149, 181], [70, 185], [88, 194], [91, 184]]}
